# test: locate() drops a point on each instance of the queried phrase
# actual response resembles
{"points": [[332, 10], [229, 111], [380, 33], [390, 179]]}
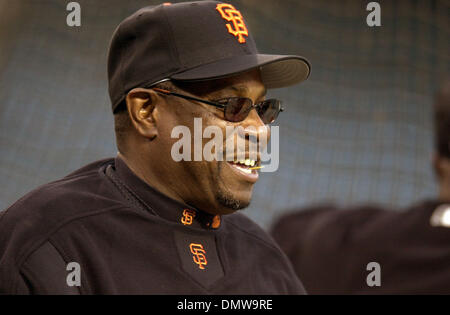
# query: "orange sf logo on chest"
{"points": [[230, 14], [188, 216], [199, 255]]}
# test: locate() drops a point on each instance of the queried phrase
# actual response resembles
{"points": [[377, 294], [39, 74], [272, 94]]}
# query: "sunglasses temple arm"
{"points": [[188, 97]]}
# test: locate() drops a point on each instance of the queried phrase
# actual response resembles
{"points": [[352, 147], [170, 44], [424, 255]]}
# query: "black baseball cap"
{"points": [[191, 41]]}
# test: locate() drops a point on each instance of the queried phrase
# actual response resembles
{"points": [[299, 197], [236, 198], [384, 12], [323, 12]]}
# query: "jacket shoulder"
{"points": [[58, 199], [31, 220]]}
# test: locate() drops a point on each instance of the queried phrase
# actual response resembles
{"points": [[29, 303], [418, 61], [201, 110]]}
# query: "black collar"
{"points": [[161, 205]]}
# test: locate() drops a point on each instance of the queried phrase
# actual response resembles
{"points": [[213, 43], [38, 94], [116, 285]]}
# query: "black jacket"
{"points": [[330, 249], [127, 238]]}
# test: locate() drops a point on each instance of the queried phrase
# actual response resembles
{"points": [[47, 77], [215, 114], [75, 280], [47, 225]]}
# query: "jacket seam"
{"points": [[55, 229]]}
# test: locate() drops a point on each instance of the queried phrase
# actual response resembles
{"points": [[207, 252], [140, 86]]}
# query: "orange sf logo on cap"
{"points": [[230, 14], [199, 255]]}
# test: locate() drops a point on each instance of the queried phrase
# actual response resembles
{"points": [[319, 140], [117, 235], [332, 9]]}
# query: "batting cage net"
{"points": [[358, 130]]}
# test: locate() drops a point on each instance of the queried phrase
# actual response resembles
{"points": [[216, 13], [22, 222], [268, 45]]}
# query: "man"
{"points": [[370, 250], [143, 223]]}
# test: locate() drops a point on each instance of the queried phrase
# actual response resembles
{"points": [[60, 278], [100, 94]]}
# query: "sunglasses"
{"points": [[236, 109]]}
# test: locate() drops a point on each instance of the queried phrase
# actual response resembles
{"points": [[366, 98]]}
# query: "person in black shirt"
{"points": [[333, 249], [143, 223]]}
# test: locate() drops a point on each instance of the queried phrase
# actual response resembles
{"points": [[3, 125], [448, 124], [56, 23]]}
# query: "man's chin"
{"points": [[232, 194], [231, 203]]}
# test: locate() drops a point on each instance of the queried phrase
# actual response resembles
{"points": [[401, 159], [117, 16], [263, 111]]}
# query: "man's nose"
{"points": [[254, 128]]}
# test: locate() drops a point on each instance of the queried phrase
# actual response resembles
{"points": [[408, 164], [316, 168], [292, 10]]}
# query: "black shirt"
{"points": [[128, 238], [331, 248]]}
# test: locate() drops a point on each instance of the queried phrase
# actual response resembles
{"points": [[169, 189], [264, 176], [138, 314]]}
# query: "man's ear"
{"points": [[141, 104]]}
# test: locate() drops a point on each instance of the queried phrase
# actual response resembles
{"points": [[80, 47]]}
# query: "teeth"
{"points": [[246, 162]]}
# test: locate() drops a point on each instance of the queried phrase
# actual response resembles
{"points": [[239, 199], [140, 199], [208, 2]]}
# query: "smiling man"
{"points": [[218, 186], [143, 223]]}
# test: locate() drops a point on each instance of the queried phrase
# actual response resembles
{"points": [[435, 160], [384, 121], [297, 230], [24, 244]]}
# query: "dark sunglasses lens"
{"points": [[269, 110], [237, 109]]}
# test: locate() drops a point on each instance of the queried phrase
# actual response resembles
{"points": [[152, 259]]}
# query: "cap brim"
{"points": [[277, 71]]}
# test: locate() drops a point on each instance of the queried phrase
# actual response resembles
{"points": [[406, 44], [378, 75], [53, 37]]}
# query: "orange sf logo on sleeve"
{"points": [[199, 255], [188, 216], [230, 14]]}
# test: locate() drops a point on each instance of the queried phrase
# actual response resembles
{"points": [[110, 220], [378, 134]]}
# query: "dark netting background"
{"points": [[358, 130]]}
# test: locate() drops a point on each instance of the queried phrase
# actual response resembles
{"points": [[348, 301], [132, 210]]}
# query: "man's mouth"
{"points": [[245, 165], [246, 168]]}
